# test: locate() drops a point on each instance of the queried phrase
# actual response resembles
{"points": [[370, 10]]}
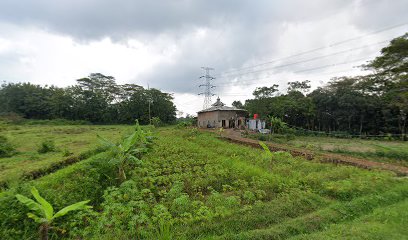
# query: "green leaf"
{"points": [[133, 159], [73, 207], [137, 136], [266, 149], [36, 218], [105, 141], [31, 204], [130, 141], [46, 206]]}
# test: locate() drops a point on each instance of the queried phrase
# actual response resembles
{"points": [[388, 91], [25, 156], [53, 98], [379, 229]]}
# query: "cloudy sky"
{"points": [[165, 43]]}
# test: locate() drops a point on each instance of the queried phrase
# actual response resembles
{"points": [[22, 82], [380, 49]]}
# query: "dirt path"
{"points": [[235, 136]]}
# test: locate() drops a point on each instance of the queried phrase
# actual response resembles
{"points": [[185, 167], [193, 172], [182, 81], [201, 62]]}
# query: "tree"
{"points": [[391, 78], [238, 104], [302, 87], [265, 92], [96, 98]]}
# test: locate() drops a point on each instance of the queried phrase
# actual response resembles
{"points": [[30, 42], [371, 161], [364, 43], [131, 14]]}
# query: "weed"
{"points": [[6, 148], [66, 152], [47, 146]]}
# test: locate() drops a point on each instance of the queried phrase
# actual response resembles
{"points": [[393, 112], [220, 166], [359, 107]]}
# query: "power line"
{"points": [[208, 86], [308, 69], [319, 48], [307, 60], [251, 81], [332, 65], [248, 82]]}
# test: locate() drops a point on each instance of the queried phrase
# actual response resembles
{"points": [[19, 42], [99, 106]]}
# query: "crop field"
{"points": [[69, 141], [387, 151], [194, 185]]}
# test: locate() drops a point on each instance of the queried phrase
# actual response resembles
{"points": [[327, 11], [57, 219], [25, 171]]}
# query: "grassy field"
{"points": [[193, 185], [395, 152], [69, 141]]}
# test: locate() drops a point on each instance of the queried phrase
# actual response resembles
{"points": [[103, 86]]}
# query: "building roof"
{"points": [[219, 106]]}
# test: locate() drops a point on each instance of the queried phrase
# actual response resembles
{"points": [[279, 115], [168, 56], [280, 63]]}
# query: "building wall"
{"points": [[205, 118], [216, 118], [255, 124]]}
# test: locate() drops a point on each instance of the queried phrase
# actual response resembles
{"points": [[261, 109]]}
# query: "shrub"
{"points": [[47, 146], [66, 153], [156, 121], [11, 117], [184, 124], [278, 126], [6, 149], [191, 133]]}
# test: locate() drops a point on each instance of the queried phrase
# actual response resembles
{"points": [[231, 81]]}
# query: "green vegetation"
{"points": [[47, 146], [374, 104], [96, 98], [188, 184], [376, 150], [127, 153], [193, 185], [43, 212], [6, 149], [76, 141]]}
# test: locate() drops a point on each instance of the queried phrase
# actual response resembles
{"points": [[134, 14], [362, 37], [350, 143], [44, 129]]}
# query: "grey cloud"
{"points": [[242, 32], [117, 19]]}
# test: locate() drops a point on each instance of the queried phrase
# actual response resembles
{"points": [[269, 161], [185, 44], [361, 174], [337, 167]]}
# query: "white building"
{"points": [[255, 124]]}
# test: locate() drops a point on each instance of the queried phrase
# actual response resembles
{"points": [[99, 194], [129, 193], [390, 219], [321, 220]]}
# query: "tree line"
{"points": [[376, 103], [96, 98]]}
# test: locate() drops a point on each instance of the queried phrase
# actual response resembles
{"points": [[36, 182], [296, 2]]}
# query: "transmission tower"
{"points": [[208, 86]]}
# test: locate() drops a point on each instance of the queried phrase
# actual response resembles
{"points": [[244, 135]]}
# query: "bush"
{"points": [[184, 124], [66, 153], [6, 149], [47, 146], [11, 117], [156, 121]]}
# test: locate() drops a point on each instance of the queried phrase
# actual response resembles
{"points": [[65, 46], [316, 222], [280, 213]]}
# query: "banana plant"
{"points": [[267, 152], [43, 212], [129, 150]]}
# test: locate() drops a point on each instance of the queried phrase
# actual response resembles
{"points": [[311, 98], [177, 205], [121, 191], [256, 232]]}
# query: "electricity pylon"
{"points": [[208, 86]]}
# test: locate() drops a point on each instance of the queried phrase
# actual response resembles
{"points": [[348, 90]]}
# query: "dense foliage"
{"points": [[372, 104], [97, 99]]}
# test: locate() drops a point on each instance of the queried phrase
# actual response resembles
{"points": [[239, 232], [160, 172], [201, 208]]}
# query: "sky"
{"points": [[165, 44]]}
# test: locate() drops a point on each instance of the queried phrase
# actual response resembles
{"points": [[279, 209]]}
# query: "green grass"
{"points": [[395, 152], [69, 140], [383, 223], [193, 185]]}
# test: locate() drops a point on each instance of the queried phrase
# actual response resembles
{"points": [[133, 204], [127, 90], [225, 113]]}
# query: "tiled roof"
{"points": [[219, 106]]}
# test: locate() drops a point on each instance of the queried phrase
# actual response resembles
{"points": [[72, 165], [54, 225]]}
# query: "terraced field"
{"points": [[193, 185], [70, 141]]}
